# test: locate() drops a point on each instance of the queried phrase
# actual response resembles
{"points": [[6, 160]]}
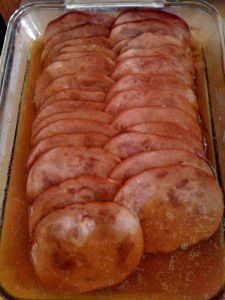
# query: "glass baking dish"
{"points": [[202, 275]]}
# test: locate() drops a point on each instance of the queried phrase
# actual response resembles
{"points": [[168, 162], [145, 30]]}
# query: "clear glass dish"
{"points": [[25, 27]]}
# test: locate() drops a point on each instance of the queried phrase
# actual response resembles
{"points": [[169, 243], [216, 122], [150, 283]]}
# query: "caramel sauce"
{"points": [[193, 273]]}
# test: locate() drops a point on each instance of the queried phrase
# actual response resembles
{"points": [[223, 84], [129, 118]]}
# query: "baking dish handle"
{"points": [[75, 4]]}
